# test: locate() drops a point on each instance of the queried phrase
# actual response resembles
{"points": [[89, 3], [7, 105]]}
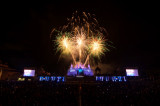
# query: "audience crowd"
{"points": [[36, 93]]}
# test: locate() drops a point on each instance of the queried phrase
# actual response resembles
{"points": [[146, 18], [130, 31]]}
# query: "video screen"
{"points": [[132, 72], [29, 73]]}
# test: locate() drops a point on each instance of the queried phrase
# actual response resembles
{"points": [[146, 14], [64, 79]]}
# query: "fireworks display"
{"points": [[82, 38]]}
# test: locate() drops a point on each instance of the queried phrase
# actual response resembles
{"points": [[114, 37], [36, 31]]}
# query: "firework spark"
{"points": [[82, 37], [63, 43], [97, 46]]}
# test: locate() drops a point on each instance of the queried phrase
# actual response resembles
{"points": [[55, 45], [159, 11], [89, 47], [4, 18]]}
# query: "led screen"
{"points": [[132, 72], [52, 78], [29, 72]]}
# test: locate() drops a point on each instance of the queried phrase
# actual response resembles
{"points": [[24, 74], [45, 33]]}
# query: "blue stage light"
{"points": [[80, 70], [53, 78], [62, 79]]}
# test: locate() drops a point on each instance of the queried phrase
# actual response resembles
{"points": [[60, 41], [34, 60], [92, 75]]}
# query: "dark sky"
{"points": [[132, 27]]}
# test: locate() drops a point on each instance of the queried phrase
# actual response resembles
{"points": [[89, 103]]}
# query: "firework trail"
{"points": [[81, 37]]}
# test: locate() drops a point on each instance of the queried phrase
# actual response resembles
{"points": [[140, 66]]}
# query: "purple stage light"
{"points": [[80, 70]]}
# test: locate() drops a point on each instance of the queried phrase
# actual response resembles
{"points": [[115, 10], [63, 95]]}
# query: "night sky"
{"points": [[26, 26]]}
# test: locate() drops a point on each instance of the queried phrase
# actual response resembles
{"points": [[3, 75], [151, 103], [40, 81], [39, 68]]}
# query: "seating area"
{"points": [[138, 92]]}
